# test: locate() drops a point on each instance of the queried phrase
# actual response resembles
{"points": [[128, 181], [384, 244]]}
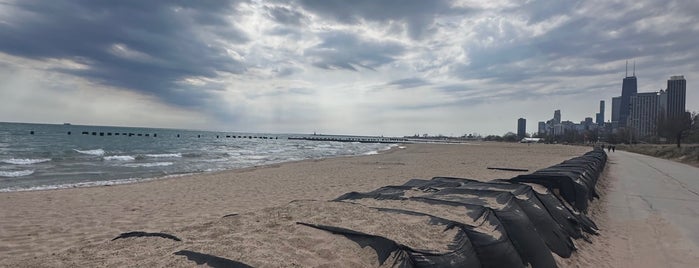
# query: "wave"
{"points": [[163, 155], [18, 173], [97, 152], [24, 161], [120, 158], [154, 164]]}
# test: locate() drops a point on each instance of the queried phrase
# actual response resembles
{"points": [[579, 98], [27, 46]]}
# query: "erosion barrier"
{"points": [[517, 222]]}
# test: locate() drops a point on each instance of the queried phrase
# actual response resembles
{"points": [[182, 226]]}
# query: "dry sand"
{"points": [[73, 227]]}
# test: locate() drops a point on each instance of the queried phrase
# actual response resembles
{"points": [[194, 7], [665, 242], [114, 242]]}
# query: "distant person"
{"points": [[609, 148], [614, 148]]}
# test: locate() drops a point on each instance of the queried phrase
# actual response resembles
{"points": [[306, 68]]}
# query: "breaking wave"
{"points": [[97, 152], [24, 161]]}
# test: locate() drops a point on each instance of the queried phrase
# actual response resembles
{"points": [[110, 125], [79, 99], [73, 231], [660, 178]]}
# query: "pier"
{"points": [[350, 139]]}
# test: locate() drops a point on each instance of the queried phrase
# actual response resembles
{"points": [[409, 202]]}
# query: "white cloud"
{"points": [[361, 67]]}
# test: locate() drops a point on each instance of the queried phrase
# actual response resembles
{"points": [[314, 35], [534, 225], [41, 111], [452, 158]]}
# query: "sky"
{"points": [[362, 67]]}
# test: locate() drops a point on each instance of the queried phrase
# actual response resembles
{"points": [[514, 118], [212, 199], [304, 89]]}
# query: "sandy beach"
{"points": [[74, 226]]}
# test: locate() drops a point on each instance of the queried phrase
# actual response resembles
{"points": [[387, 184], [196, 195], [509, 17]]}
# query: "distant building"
{"points": [[616, 110], [587, 123], [676, 96], [643, 115], [600, 116], [557, 116], [628, 89], [521, 128], [542, 129]]}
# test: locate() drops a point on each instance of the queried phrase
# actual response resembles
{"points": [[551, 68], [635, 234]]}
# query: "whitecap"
{"points": [[154, 164], [120, 158], [371, 153], [164, 155], [24, 161], [18, 173], [98, 152]]}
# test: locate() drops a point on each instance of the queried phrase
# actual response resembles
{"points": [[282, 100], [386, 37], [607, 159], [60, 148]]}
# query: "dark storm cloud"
{"points": [[343, 50], [418, 15], [146, 46]]}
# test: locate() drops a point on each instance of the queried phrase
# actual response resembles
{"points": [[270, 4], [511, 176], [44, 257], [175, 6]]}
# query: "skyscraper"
{"points": [[557, 116], [600, 116], [616, 110], [629, 88], [521, 128], [676, 96], [542, 129], [643, 114]]}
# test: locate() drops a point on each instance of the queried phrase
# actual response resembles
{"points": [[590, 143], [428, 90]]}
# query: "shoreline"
{"points": [[116, 182], [39, 223]]}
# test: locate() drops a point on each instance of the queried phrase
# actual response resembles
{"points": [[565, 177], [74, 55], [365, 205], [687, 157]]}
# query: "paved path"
{"points": [[653, 211]]}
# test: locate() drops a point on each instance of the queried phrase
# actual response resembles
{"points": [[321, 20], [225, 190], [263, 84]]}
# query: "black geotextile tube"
{"points": [[575, 179], [560, 223], [461, 252], [493, 249], [559, 212], [578, 175], [523, 233], [575, 193]]}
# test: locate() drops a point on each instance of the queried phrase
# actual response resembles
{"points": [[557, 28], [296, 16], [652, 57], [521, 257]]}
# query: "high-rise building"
{"points": [[629, 88], [676, 96], [542, 129], [662, 103], [643, 114], [521, 128], [616, 110], [557, 116], [600, 116]]}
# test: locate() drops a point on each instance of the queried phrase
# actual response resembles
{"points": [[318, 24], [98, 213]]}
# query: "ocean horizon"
{"points": [[56, 156]]}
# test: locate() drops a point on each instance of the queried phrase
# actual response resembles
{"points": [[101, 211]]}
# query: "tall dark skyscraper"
{"points": [[557, 116], [676, 96], [600, 116], [628, 88], [521, 128]]}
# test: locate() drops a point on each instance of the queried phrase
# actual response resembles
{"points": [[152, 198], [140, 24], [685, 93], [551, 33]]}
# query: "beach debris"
{"points": [[211, 260], [509, 169], [146, 234]]}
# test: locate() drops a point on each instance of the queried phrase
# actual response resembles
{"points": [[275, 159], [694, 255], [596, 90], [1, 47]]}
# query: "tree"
{"points": [[510, 137], [675, 127]]}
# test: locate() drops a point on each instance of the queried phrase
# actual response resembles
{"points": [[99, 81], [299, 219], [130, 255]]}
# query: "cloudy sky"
{"points": [[369, 67]]}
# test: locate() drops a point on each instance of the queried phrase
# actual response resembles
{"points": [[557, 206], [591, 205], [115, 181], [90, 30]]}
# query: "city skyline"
{"points": [[335, 67]]}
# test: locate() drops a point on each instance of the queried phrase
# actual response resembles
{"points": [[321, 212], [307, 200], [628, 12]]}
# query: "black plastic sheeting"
{"points": [[462, 253], [210, 260], [556, 236], [523, 233], [574, 179], [146, 234], [493, 247], [532, 222]]}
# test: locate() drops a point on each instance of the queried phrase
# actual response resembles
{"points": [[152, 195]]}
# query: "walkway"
{"points": [[653, 211]]}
